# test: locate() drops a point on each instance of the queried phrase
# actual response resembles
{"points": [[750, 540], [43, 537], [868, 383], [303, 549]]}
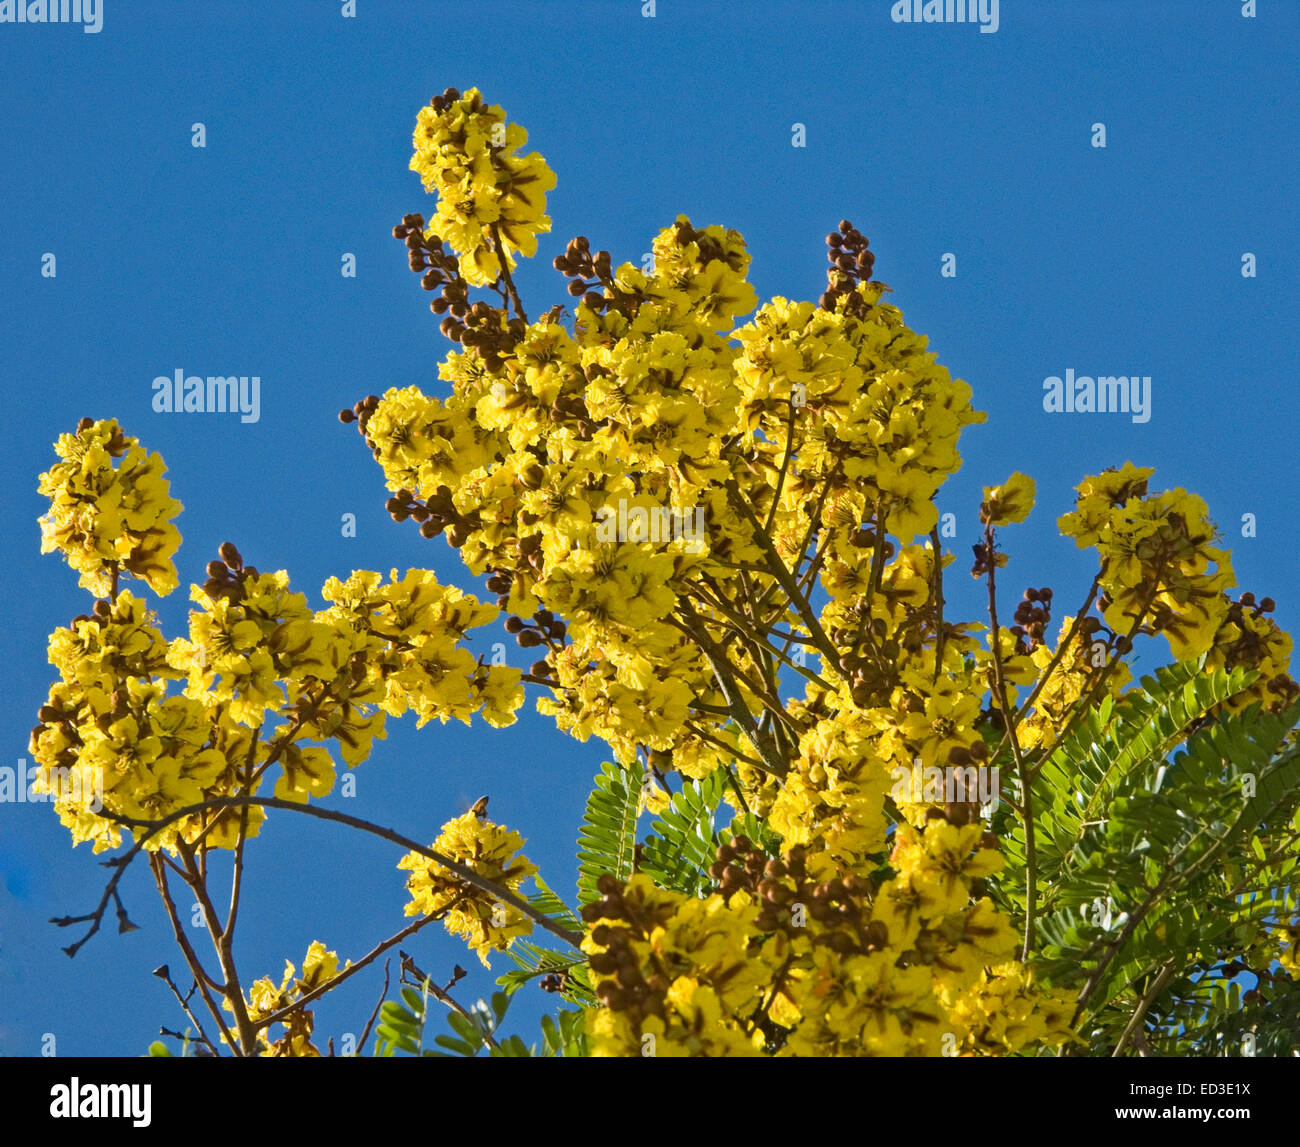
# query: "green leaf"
{"points": [[685, 844], [1143, 809], [607, 839], [459, 1047], [545, 900], [465, 1028]]}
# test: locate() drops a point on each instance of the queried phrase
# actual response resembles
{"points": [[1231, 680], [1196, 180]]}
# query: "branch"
{"points": [[778, 570], [232, 990], [153, 827], [365, 1034], [745, 627], [164, 973], [936, 595], [347, 973], [785, 465], [1085, 700], [505, 273], [201, 977], [735, 704], [236, 879], [1059, 655], [444, 997], [1026, 782]]}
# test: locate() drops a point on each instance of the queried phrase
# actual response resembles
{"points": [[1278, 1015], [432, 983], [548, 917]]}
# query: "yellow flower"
{"points": [[493, 853], [1010, 502]]}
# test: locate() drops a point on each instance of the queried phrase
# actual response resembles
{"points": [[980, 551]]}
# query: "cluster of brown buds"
{"points": [[1089, 630], [872, 666], [65, 714], [850, 264], [626, 988], [957, 811], [479, 324], [579, 265], [1247, 601], [450, 96], [435, 514], [360, 414], [226, 577], [572, 408], [486, 329], [586, 272], [1031, 619], [1249, 648], [840, 906], [529, 549], [739, 865], [437, 267], [709, 248], [499, 583], [546, 629]]}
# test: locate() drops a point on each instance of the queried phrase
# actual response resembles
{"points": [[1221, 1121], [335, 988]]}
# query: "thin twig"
{"points": [[347, 973], [164, 974], [1145, 1002], [785, 465], [232, 989], [444, 997], [505, 273], [731, 694], [778, 570], [936, 594], [201, 977], [365, 1034]]}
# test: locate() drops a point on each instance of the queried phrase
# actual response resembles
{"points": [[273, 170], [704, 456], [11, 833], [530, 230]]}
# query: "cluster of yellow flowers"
{"points": [[677, 488], [109, 723], [779, 963], [1081, 666], [487, 194], [319, 966], [685, 518], [408, 635], [1247, 637], [267, 680], [102, 517], [1161, 572], [1010, 502], [493, 853], [1161, 568], [645, 409]]}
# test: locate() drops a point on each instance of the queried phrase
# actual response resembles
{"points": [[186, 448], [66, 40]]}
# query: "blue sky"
{"points": [[931, 138]]}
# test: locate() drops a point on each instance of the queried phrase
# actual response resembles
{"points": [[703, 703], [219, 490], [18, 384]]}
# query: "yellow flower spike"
{"points": [[108, 520], [466, 153]]}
